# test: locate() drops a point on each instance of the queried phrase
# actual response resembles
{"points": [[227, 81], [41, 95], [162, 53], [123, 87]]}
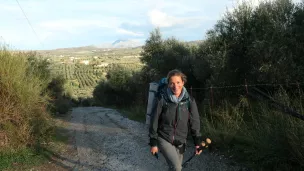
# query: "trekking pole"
{"points": [[201, 147]]}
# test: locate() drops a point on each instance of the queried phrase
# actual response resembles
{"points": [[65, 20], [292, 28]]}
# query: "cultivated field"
{"points": [[84, 67]]}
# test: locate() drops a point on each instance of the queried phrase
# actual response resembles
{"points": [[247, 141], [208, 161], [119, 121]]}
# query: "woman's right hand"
{"points": [[154, 150]]}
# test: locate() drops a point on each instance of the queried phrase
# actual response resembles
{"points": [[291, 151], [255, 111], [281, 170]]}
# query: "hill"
{"points": [[120, 46]]}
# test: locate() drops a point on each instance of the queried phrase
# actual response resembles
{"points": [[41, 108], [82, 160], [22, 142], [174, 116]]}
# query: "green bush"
{"points": [[62, 105], [23, 100], [60, 95], [261, 45], [115, 90]]}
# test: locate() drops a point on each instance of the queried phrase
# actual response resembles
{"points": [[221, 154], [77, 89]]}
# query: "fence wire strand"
{"points": [[244, 85]]}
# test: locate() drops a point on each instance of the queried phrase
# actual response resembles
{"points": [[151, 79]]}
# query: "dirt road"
{"points": [[104, 140]]}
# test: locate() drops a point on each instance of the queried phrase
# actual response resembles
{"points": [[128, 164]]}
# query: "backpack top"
{"points": [[162, 85]]}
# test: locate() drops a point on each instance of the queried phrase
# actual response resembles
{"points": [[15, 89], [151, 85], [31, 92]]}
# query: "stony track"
{"points": [[104, 140]]}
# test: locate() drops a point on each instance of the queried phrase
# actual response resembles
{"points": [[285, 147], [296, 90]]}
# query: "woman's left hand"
{"points": [[196, 150]]}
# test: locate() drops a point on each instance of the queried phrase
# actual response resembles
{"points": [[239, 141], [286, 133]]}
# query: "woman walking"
{"points": [[175, 111]]}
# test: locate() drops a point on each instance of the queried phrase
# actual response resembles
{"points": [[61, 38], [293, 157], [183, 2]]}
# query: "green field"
{"points": [[83, 67]]}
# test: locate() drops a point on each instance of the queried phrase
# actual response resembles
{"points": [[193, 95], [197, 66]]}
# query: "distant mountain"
{"points": [[117, 44], [121, 43], [118, 41]]}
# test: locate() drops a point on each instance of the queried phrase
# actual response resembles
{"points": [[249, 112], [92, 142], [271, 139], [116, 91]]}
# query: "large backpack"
{"points": [[155, 88], [155, 91]]}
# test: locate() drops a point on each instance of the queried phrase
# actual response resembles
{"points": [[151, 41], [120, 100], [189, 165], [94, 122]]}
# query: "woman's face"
{"points": [[176, 85]]}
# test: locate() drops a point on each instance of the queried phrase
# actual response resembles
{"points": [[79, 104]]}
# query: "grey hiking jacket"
{"points": [[170, 120]]}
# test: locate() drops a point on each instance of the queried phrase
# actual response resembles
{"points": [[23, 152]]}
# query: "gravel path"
{"points": [[106, 141]]}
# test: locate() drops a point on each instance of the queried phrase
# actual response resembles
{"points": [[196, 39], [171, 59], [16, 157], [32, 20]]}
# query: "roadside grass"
{"points": [[27, 158], [257, 135], [22, 159], [136, 113]]}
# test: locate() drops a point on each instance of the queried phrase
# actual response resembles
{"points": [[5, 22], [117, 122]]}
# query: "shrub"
{"points": [[24, 119], [115, 90]]}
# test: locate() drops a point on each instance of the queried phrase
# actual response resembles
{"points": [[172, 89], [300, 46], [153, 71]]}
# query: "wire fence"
{"points": [[245, 86], [213, 95]]}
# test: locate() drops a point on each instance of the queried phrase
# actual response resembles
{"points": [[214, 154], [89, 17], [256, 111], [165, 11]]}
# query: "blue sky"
{"points": [[72, 23]]}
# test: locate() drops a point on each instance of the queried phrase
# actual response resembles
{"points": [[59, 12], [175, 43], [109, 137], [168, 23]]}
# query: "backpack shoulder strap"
{"points": [[189, 100], [189, 109], [162, 100]]}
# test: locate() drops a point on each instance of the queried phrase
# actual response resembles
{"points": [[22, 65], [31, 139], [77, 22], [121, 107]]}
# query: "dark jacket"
{"points": [[170, 120]]}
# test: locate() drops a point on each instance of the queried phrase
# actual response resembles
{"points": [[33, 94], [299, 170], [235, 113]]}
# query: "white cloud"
{"points": [[10, 35], [133, 23], [77, 26], [161, 19], [10, 8], [253, 3], [45, 35], [30, 38], [67, 24], [127, 32]]}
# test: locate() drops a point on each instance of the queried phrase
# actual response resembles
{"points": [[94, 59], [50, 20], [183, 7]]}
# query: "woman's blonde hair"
{"points": [[176, 72]]}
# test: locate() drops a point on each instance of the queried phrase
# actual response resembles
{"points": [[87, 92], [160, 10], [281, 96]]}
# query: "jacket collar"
{"points": [[169, 96]]}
